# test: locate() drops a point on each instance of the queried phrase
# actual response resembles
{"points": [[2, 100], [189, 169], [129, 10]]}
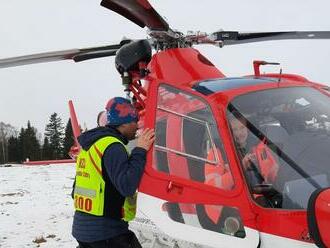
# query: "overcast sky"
{"points": [[34, 92]]}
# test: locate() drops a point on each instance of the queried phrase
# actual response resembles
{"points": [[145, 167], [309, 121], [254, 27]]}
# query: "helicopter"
{"points": [[195, 188]]}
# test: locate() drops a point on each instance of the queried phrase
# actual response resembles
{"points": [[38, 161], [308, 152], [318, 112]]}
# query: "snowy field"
{"points": [[35, 206], [36, 210]]}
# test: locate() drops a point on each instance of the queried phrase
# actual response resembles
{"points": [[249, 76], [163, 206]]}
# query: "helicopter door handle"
{"points": [[174, 188]]}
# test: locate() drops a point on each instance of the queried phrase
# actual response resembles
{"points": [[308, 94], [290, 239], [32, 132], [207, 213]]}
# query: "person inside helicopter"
{"points": [[259, 166], [291, 127]]}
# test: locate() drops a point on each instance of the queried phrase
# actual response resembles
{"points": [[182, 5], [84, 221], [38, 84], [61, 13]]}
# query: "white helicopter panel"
{"points": [[269, 240], [191, 230]]}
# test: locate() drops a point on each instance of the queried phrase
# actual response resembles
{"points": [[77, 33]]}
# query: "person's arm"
{"points": [[248, 160], [124, 172]]}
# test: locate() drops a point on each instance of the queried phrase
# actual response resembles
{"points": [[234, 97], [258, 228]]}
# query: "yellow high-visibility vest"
{"points": [[90, 185]]}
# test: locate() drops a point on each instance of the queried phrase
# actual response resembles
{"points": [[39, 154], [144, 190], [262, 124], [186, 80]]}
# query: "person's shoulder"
{"points": [[115, 147]]}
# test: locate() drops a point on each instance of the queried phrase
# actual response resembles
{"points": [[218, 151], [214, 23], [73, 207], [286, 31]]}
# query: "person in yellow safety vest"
{"points": [[107, 178]]}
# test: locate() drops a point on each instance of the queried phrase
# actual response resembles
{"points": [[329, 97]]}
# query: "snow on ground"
{"points": [[36, 206]]}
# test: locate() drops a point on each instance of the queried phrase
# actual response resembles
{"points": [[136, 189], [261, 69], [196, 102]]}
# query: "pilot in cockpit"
{"points": [[258, 164]]}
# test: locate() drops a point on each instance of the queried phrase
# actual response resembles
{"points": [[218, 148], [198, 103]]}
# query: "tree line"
{"points": [[18, 146]]}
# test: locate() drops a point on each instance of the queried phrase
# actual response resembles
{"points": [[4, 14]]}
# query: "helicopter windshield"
{"points": [[282, 137]]}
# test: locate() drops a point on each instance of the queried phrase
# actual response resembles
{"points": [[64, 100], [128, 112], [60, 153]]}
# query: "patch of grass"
{"points": [[8, 194], [20, 193], [51, 236], [39, 240]]}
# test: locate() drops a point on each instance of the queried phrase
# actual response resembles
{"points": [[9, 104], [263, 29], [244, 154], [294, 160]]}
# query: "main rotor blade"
{"points": [[138, 11], [233, 38], [76, 55]]}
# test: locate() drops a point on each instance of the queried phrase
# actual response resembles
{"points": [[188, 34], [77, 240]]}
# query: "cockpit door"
{"points": [[188, 187]]}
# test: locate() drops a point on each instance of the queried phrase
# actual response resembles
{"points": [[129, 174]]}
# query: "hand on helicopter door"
{"points": [[145, 139]]}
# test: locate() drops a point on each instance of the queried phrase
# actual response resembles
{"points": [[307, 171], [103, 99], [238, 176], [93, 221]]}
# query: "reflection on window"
{"points": [[283, 141], [221, 219], [187, 141]]}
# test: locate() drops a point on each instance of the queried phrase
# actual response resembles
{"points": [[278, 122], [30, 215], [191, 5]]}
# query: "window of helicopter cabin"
{"points": [[187, 141], [288, 130]]}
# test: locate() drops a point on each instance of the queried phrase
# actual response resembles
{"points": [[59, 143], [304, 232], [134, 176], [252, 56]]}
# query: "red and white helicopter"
{"points": [[196, 191]]}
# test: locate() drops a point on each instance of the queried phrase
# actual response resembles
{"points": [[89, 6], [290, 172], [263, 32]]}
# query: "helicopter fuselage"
{"points": [[189, 102]]}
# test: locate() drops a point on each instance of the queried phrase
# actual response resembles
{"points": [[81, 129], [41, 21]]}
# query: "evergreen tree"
{"points": [[68, 139], [29, 144], [13, 150], [21, 139], [47, 151], [54, 133], [3, 147]]}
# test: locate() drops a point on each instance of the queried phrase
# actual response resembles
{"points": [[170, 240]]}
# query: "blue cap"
{"points": [[120, 111]]}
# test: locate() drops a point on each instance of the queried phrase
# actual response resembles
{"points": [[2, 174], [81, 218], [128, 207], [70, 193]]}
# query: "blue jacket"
{"points": [[123, 173]]}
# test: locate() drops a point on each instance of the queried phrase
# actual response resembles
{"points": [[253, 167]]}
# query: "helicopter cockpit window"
{"points": [[187, 140], [283, 141], [211, 86]]}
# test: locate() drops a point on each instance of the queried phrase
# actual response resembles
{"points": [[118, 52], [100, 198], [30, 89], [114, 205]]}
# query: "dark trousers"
{"points": [[127, 240]]}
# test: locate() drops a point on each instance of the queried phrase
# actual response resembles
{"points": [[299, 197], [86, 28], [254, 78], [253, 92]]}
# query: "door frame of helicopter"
{"points": [[175, 189]]}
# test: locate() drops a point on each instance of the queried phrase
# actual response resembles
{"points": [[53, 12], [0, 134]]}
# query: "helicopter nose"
{"points": [[318, 215]]}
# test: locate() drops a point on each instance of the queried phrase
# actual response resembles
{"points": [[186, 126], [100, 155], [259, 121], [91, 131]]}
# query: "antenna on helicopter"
{"points": [[258, 63], [280, 76]]}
